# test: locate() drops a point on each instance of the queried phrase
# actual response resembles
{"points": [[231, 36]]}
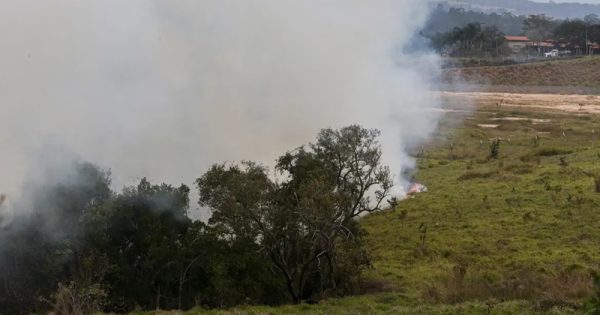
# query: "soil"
{"points": [[583, 104]]}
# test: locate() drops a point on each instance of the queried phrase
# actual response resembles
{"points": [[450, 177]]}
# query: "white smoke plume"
{"points": [[164, 89]]}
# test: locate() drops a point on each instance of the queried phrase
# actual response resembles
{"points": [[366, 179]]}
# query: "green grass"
{"points": [[516, 235], [524, 226], [385, 304]]}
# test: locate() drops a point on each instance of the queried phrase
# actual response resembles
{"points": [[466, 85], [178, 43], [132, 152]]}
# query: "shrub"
{"points": [[73, 299], [495, 149]]}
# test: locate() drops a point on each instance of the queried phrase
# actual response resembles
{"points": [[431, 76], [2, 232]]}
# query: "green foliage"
{"points": [[85, 249], [74, 299], [470, 40], [39, 249], [443, 20], [539, 27], [118, 252], [519, 232], [306, 224]]}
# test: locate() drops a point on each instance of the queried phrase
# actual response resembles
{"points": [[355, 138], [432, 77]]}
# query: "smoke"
{"points": [[164, 89]]}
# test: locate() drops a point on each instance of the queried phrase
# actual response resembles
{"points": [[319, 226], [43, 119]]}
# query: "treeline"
{"points": [[471, 40], [83, 248], [443, 20], [475, 39], [573, 32]]}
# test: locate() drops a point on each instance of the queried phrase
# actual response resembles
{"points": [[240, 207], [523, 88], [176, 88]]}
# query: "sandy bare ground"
{"points": [[583, 104]]}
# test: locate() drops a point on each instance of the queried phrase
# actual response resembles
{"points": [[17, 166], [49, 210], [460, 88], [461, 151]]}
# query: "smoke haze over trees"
{"points": [[101, 101], [268, 242], [157, 90]]}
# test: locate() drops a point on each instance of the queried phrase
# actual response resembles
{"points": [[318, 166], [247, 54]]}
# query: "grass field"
{"points": [[580, 73], [519, 234], [523, 226]]}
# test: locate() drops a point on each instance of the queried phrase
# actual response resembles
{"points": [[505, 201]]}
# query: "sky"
{"points": [[571, 1]]}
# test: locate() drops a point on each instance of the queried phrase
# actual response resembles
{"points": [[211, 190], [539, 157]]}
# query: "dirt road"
{"points": [[584, 104]]}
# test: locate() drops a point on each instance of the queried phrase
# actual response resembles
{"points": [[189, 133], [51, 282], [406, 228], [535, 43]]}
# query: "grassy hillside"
{"points": [[582, 72], [524, 226], [385, 304], [515, 235]]}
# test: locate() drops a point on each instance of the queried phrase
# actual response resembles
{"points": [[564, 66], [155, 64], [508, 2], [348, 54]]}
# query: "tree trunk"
{"points": [[295, 296], [332, 272], [158, 299]]}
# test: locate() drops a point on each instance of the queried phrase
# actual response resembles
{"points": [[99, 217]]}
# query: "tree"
{"points": [[139, 233], [470, 40], [572, 32], [538, 27], [492, 40], [39, 249], [592, 19], [592, 31], [308, 220]]}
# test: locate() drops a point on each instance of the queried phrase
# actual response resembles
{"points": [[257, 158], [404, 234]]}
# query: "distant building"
{"points": [[517, 43], [543, 46]]}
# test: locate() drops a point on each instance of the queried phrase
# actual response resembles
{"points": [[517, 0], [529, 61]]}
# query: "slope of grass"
{"points": [[515, 235], [525, 226], [582, 72], [387, 304]]}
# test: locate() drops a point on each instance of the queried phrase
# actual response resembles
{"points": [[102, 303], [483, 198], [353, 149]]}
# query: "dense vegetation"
{"points": [[443, 20], [509, 225], [518, 234], [482, 35], [471, 40], [515, 234], [84, 248]]}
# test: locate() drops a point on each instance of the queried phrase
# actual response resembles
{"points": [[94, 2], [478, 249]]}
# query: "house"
{"points": [[517, 43]]}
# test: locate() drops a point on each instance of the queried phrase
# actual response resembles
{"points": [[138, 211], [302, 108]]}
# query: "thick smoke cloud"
{"points": [[164, 89]]}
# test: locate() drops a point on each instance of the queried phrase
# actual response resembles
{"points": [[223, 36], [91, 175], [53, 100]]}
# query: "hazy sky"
{"points": [[164, 89], [572, 1]]}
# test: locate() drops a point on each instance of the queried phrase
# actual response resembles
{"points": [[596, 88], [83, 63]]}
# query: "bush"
{"points": [[73, 299], [495, 149]]}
